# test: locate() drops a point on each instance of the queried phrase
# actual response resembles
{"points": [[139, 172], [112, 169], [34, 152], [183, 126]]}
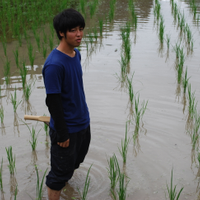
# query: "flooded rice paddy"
{"points": [[168, 135]]}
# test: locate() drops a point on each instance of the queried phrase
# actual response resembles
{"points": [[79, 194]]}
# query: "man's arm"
{"points": [[54, 104]]}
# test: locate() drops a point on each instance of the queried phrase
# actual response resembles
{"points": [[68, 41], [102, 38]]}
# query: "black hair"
{"points": [[66, 20]]}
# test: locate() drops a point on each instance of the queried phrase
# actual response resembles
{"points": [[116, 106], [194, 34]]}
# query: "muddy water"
{"points": [[163, 141]]}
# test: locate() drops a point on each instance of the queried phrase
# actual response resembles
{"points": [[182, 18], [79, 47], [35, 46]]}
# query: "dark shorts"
{"points": [[65, 160]]}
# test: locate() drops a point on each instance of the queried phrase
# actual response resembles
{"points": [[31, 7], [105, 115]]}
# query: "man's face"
{"points": [[74, 36]]}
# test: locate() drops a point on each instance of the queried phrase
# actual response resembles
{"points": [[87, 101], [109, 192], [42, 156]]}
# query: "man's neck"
{"points": [[66, 50]]}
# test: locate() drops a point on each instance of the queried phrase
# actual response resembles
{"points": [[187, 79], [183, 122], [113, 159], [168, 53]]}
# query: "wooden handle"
{"points": [[37, 118]]}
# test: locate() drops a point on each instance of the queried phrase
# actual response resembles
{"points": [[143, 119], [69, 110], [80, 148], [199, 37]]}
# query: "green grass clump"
{"points": [[30, 54], [11, 160], [172, 191], [23, 73], [83, 194]]}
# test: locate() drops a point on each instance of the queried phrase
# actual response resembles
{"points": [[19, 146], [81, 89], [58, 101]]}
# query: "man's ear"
{"points": [[61, 34]]}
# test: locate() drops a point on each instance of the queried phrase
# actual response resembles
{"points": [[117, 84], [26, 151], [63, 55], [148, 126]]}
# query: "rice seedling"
{"points": [[44, 37], [37, 38], [4, 46], [113, 171], [14, 101], [112, 10], [23, 73], [82, 5], [30, 54], [161, 29], [1, 177], [122, 187], [16, 54], [138, 115], [179, 73], [39, 186], [172, 191], [168, 41], [124, 146], [7, 71], [34, 136], [46, 129], [11, 160], [15, 195], [101, 26], [44, 50], [92, 6], [133, 13], [83, 194], [157, 8], [124, 70], [130, 89], [185, 81], [27, 90], [1, 114], [192, 102], [51, 43]]}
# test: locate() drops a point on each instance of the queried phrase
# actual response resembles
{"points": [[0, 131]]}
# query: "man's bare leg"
{"points": [[53, 194]]}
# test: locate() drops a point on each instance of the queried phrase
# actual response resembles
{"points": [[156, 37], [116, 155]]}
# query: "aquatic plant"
{"points": [[83, 194], [172, 191], [4, 46], [39, 185], [1, 177], [124, 146], [11, 160], [46, 129], [113, 171]]}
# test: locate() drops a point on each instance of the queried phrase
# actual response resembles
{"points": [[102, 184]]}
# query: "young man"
{"points": [[70, 122]]}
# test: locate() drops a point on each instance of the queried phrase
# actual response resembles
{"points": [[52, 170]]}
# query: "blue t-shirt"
{"points": [[63, 75]]}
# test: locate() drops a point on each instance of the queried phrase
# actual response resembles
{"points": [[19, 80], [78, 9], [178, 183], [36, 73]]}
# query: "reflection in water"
{"points": [[16, 124], [3, 130], [68, 192], [2, 196], [184, 102], [13, 184], [144, 7], [34, 157]]}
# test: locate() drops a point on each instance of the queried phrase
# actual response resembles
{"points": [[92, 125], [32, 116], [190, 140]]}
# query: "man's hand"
{"points": [[64, 144]]}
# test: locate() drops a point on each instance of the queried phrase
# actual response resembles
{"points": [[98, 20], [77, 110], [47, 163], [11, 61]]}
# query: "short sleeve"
{"points": [[53, 76]]}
